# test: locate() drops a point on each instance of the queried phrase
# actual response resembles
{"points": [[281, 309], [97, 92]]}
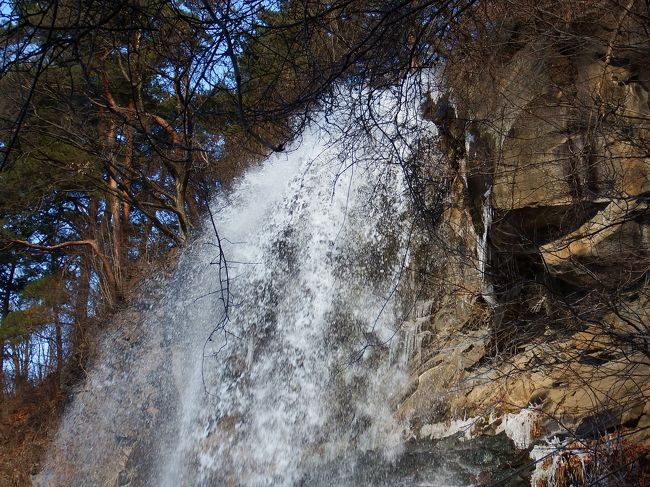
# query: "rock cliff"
{"points": [[541, 312]]}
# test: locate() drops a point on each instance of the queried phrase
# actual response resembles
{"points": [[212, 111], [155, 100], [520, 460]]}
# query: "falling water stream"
{"points": [[294, 383], [313, 259]]}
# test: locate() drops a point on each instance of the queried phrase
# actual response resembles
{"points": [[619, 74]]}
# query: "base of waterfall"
{"points": [[453, 461]]}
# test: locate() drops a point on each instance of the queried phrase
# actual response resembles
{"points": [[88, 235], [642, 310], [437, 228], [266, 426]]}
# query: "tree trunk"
{"points": [[27, 356], [129, 133], [114, 207], [177, 166], [20, 380], [181, 190], [4, 311], [144, 241], [59, 350]]}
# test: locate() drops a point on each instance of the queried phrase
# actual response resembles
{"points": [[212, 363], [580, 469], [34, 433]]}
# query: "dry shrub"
{"points": [[28, 421], [610, 461]]}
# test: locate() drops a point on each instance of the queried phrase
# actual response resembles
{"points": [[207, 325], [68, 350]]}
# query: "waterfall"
{"points": [[281, 365], [297, 376], [285, 386]]}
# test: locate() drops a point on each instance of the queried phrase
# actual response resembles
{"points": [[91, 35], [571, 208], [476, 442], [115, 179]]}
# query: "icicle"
{"points": [[519, 427], [487, 290]]}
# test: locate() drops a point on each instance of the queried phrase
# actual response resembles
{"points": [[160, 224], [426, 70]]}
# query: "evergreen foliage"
{"points": [[120, 119]]}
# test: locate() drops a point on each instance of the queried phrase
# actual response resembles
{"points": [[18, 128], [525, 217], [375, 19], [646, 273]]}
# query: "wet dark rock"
{"points": [[452, 461], [123, 479]]}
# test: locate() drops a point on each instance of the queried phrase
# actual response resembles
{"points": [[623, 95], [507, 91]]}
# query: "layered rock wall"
{"points": [[543, 307]]}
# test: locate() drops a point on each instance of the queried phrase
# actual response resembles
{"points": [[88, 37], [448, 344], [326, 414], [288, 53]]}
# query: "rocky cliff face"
{"points": [[541, 306]]}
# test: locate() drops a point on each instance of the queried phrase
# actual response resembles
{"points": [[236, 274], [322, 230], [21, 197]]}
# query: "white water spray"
{"points": [[284, 386], [299, 376], [295, 386]]}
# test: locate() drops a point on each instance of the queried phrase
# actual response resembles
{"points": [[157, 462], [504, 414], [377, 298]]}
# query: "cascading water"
{"points": [[292, 383], [285, 383]]}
